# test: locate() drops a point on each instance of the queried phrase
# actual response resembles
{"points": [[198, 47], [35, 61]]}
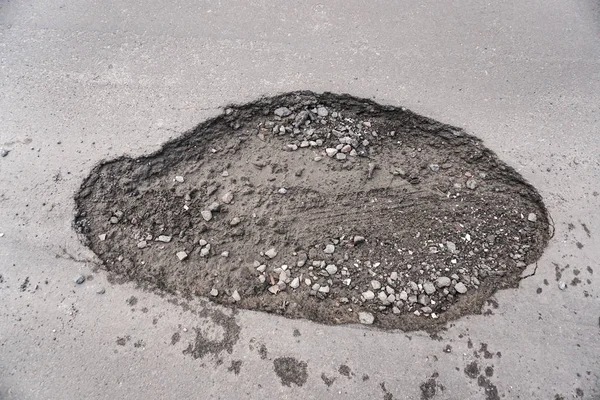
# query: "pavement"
{"points": [[90, 80]]}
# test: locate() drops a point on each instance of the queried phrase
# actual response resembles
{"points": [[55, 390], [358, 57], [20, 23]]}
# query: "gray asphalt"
{"points": [[90, 80]]}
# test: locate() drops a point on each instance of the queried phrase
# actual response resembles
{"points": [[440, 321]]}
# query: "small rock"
{"points": [[205, 251], [429, 288], [227, 198], [114, 220], [331, 152], [368, 295], [451, 246], [394, 276], [179, 179], [214, 206], [324, 289], [460, 288], [322, 112], [358, 239], [236, 296], [225, 254], [532, 217], [376, 285], [283, 112], [235, 221], [434, 167], [366, 318], [4, 152], [295, 283], [261, 268], [562, 285], [182, 255], [142, 244], [214, 292], [101, 290], [331, 269], [79, 279], [471, 183], [329, 249], [443, 281], [423, 299], [282, 190], [274, 289], [206, 214], [164, 238], [271, 253], [202, 242], [102, 237], [403, 296]]}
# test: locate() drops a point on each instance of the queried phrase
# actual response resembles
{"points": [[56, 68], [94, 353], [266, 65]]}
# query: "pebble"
{"points": [[429, 288], [394, 276], [295, 283], [214, 206], [282, 190], [368, 295], [283, 112], [329, 249], [358, 239], [102, 237], [235, 221], [114, 220], [460, 288], [331, 269], [532, 217], [182, 255], [206, 214], [562, 285], [382, 297], [366, 318], [443, 281], [322, 112], [471, 183], [202, 242], [434, 167], [271, 253], [331, 152], [179, 179], [205, 251], [236, 296], [403, 296], [101, 290], [227, 198], [214, 292], [3, 152], [376, 285], [423, 299], [340, 156], [274, 289], [225, 254], [164, 238], [324, 289], [142, 244], [451, 246], [79, 279]]}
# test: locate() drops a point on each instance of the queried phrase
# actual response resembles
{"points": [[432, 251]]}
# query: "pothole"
{"points": [[319, 206]]}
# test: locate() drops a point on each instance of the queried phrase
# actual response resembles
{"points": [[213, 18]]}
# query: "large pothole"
{"points": [[325, 207]]}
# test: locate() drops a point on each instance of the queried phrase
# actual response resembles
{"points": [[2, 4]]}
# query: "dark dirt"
{"points": [[175, 338], [290, 370], [386, 393], [472, 370], [421, 216], [236, 366], [345, 371], [429, 387], [326, 380], [210, 341]]}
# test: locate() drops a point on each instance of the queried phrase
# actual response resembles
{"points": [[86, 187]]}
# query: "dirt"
{"points": [[404, 202], [290, 370]]}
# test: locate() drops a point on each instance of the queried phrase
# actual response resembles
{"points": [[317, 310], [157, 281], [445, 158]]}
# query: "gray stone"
{"points": [[562, 285], [295, 283], [403, 296], [366, 318], [358, 239], [331, 269], [164, 238], [394, 275], [101, 290], [471, 183], [271, 253], [179, 179], [142, 244], [283, 112], [4, 152], [206, 214], [102, 237], [376, 285], [443, 281], [79, 279], [451, 246], [368, 295], [423, 299], [235, 221], [331, 152], [329, 249], [182, 255], [214, 292], [227, 198], [434, 167], [324, 289], [532, 217], [322, 112], [429, 288], [214, 206], [236, 296], [460, 288]]}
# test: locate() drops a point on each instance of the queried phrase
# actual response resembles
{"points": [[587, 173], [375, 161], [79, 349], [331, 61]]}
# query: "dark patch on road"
{"points": [[139, 343], [365, 377], [579, 392], [586, 229], [483, 349], [328, 381], [262, 350], [175, 338], [491, 391], [202, 345], [386, 394], [539, 290], [236, 366], [122, 341], [345, 370], [489, 371], [290, 370], [472, 370], [576, 281], [296, 333], [24, 285], [132, 301], [579, 245], [590, 270], [429, 387]]}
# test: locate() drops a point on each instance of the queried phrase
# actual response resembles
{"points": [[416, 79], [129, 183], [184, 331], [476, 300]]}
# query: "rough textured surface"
{"points": [[395, 214], [89, 81]]}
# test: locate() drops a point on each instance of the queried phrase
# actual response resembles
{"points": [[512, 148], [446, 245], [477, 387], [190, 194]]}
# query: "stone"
{"points": [[142, 244], [206, 214], [236, 296], [434, 167], [282, 190], [443, 281], [205, 251], [274, 289], [340, 156], [102, 237], [358, 239], [366, 318], [423, 299], [429, 288], [532, 217], [235, 221], [451, 246], [214, 292], [331, 152], [382, 297], [460, 288], [225, 254], [261, 268], [368, 295], [394, 275], [562, 285], [214, 206], [101, 290], [4, 152], [322, 112], [295, 283], [329, 249], [179, 179], [182, 255], [324, 289], [271, 253], [376, 285], [403, 296], [331, 269], [471, 184], [114, 220], [283, 112], [202, 242], [164, 238], [227, 198], [79, 279]]}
